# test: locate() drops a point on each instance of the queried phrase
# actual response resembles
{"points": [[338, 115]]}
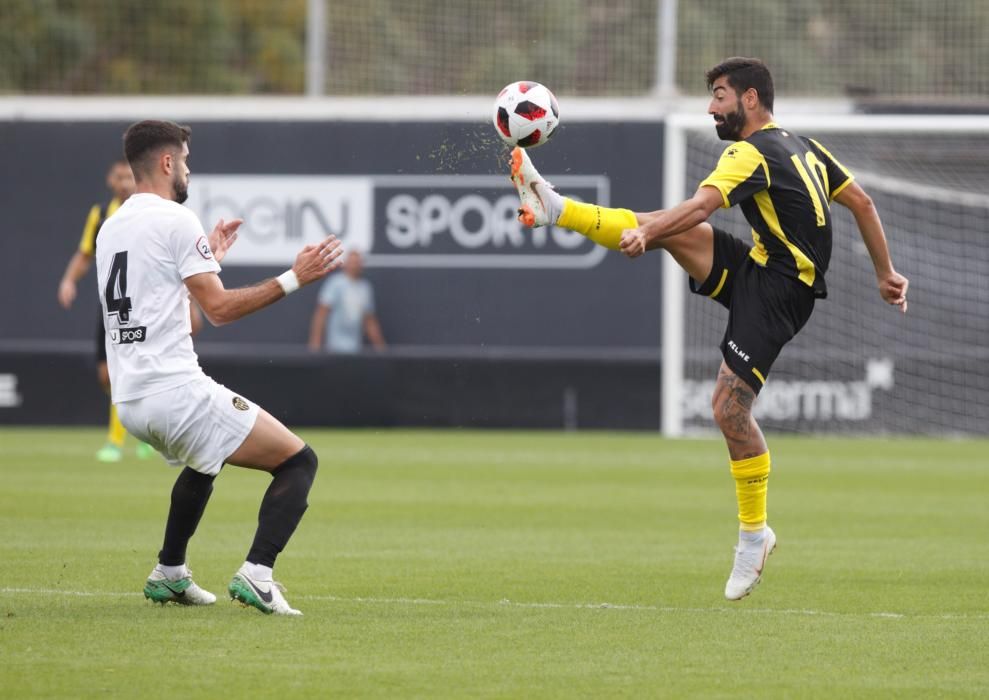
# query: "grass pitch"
{"points": [[505, 564]]}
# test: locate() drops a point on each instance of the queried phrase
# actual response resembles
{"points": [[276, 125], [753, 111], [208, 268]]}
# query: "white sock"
{"points": [[258, 571], [751, 535], [173, 573]]}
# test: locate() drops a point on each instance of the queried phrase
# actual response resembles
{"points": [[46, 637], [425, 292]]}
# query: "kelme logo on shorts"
{"points": [[240, 404]]}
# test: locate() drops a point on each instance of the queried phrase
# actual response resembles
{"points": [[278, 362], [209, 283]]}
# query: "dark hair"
{"points": [[143, 139], [121, 160], [745, 73]]}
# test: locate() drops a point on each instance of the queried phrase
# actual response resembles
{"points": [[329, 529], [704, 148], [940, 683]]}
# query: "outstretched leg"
{"points": [[541, 205]]}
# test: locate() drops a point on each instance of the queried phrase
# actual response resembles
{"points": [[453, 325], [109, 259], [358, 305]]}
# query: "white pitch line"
{"points": [[611, 606], [741, 608]]}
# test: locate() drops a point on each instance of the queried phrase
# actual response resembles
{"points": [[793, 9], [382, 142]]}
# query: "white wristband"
{"points": [[288, 281]]}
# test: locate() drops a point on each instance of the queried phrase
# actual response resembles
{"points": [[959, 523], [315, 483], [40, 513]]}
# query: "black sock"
{"points": [[189, 497], [283, 505]]}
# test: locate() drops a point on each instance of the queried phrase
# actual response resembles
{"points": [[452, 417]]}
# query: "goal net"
{"points": [[859, 365]]}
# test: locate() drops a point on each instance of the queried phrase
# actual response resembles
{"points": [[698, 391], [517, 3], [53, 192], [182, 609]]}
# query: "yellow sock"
{"points": [[116, 432], [751, 484], [602, 225]]}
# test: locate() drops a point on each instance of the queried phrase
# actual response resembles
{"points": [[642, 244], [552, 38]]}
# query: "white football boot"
{"points": [[750, 558], [266, 596], [540, 204], [182, 590]]}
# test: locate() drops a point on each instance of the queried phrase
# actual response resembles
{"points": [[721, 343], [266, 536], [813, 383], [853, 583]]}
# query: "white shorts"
{"points": [[198, 424]]}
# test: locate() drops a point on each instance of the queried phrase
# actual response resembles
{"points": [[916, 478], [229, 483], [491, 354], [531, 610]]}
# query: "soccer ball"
{"points": [[526, 114]]}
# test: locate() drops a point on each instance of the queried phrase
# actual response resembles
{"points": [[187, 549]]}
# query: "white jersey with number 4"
{"points": [[143, 254]]}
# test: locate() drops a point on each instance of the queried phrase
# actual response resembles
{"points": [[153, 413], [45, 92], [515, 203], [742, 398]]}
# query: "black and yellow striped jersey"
{"points": [[97, 215], [784, 184]]}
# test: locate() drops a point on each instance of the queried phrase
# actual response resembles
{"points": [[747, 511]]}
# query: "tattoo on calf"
{"points": [[733, 400]]}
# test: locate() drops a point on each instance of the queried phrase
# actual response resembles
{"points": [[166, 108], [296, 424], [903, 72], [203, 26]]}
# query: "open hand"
{"points": [[222, 237], [317, 261]]}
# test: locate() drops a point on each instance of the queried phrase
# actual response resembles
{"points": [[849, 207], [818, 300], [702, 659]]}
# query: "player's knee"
{"points": [[302, 465], [293, 479], [310, 461]]}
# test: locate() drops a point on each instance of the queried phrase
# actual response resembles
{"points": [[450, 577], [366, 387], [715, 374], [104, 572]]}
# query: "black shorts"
{"points": [[100, 338], [765, 308]]}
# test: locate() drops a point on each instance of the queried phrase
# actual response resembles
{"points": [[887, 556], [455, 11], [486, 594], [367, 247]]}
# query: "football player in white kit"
{"points": [[153, 255]]}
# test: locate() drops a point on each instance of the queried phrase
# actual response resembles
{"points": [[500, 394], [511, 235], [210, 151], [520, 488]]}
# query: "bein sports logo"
{"points": [[407, 221], [471, 222]]}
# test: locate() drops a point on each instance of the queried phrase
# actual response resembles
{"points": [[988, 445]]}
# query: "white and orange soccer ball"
{"points": [[526, 114]]}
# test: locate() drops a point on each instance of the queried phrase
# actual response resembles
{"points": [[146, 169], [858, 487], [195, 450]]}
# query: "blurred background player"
{"points": [[344, 312], [783, 184], [120, 182]]}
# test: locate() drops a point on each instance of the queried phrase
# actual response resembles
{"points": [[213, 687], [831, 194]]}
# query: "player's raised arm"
{"points": [[222, 305], [892, 285]]}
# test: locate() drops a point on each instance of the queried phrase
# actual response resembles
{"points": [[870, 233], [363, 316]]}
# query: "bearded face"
{"points": [[180, 187], [729, 125], [726, 107]]}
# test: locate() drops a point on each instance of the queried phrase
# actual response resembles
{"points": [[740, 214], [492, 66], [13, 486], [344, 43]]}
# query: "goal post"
{"points": [[674, 282], [859, 366]]}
